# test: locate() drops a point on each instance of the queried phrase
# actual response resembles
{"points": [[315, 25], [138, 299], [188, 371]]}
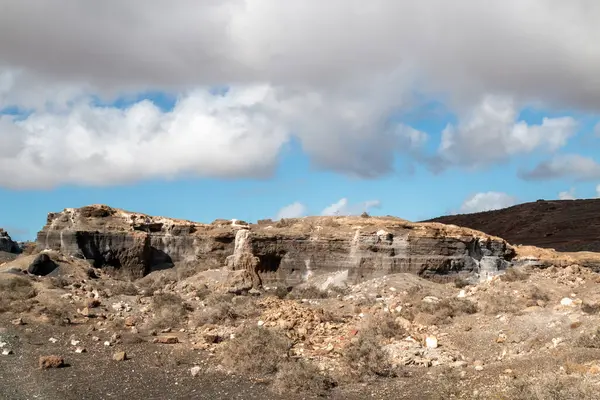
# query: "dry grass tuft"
{"points": [[169, 311], [552, 387], [513, 274], [301, 377], [14, 293], [366, 358], [256, 351], [589, 340]]}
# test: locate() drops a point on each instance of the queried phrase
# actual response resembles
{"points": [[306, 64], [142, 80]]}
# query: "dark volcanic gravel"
{"points": [[565, 225]]}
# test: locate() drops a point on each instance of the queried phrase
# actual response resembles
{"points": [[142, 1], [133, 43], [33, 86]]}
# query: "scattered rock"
{"points": [[17, 321], [7, 352], [80, 350], [46, 362], [120, 356], [166, 339], [431, 342], [195, 370]]}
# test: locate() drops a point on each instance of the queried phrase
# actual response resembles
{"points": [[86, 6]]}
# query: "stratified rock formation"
{"points": [[287, 250]]}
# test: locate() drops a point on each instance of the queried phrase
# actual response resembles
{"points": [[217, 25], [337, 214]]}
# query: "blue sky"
{"points": [[265, 109], [415, 194]]}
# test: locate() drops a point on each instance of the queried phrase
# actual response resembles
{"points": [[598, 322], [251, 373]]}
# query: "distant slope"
{"points": [[565, 225]]}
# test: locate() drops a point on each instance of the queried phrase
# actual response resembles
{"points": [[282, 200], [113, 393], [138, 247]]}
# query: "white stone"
{"points": [[195, 370], [6, 352], [2, 344], [53, 340], [261, 323], [567, 302], [431, 342], [107, 343], [75, 342], [462, 294], [80, 350]]}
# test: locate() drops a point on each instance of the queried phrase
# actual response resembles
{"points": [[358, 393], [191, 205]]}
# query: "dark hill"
{"points": [[565, 225]]}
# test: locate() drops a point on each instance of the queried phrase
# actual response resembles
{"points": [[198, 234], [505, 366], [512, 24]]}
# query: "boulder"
{"points": [[42, 265]]}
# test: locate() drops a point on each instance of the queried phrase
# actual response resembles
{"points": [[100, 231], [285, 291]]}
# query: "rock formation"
{"points": [[7, 244], [286, 251]]}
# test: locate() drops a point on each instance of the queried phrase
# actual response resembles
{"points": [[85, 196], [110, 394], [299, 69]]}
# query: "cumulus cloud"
{"points": [[294, 210], [487, 201], [491, 133], [567, 195], [331, 74], [598, 191], [343, 207], [572, 166]]}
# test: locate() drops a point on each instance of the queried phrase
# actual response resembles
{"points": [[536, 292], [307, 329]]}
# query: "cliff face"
{"points": [[7, 244], [288, 250]]}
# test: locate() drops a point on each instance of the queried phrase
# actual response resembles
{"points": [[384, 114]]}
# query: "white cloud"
{"points": [[491, 133], [343, 207], [487, 201], [598, 191], [567, 195], [294, 210], [330, 73], [572, 166]]}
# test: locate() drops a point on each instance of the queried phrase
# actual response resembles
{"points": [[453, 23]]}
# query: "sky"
{"points": [[253, 109]]}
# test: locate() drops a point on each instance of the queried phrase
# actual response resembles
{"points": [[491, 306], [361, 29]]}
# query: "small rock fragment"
{"points": [[7, 352], [46, 362], [166, 339], [195, 370], [80, 350], [120, 356], [53, 340], [17, 321]]}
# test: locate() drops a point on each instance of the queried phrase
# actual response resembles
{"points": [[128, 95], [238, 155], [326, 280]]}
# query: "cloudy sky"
{"points": [[253, 109]]}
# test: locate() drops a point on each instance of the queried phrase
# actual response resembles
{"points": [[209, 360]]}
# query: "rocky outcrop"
{"points": [[7, 244], [288, 250]]}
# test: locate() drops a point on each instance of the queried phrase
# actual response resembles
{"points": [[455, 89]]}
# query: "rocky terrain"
{"points": [[116, 304], [564, 225], [8, 248]]}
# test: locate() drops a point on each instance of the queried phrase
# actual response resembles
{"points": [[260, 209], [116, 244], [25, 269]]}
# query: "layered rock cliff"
{"points": [[7, 244], [287, 250]]}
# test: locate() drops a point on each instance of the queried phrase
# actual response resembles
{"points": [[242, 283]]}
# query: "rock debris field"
{"points": [[244, 325]]}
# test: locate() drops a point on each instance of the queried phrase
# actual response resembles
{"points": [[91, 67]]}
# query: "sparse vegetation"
{"points": [[513, 275], [589, 340], [257, 351], [551, 387], [365, 356], [169, 310], [299, 376], [124, 288], [14, 291]]}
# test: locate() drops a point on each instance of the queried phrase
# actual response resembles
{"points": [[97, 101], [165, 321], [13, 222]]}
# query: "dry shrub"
{"points": [[57, 312], [552, 387], [590, 308], [257, 351], [124, 288], [301, 377], [502, 303], [226, 309], [589, 340], [446, 309], [513, 274], [286, 222], [313, 292], [386, 326], [14, 292], [59, 282], [169, 310], [366, 358]]}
